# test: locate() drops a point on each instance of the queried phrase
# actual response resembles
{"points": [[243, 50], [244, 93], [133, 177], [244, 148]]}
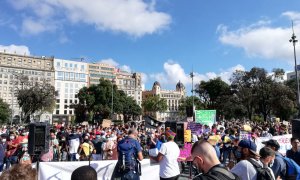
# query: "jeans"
{"points": [[11, 161], [97, 157], [130, 175], [226, 154], [1, 166], [72, 157]]}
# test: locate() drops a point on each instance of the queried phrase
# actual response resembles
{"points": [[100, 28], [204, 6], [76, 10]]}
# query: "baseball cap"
{"points": [[272, 143], [245, 143]]}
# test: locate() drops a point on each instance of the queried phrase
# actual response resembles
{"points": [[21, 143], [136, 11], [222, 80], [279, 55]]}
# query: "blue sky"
{"points": [[163, 39]]}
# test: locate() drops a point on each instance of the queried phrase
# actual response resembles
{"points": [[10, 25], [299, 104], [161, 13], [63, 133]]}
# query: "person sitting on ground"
{"points": [[206, 161], [84, 173]]}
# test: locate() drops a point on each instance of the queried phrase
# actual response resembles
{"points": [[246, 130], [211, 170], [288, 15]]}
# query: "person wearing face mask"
{"points": [[11, 157], [294, 152], [206, 161], [97, 142], [85, 149], [247, 154], [267, 156], [3, 146], [53, 144]]}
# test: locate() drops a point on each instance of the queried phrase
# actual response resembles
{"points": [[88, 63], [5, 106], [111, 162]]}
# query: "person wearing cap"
{"points": [[244, 169], [279, 166], [167, 158]]}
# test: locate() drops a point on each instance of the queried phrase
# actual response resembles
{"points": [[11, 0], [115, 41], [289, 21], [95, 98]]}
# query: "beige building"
{"points": [[130, 83], [172, 97], [13, 66]]}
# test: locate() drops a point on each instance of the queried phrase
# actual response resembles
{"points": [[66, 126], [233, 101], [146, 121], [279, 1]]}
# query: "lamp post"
{"points": [[192, 76], [294, 41], [112, 98]]}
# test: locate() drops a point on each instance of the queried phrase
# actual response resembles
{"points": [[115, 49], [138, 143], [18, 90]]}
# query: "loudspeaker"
{"points": [[178, 128], [296, 128], [189, 111], [39, 137]]}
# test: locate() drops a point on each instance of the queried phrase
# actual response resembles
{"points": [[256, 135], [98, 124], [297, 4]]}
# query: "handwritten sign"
{"points": [[206, 117], [185, 152], [284, 142], [106, 123], [245, 135], [195, 128], [187, 136]]}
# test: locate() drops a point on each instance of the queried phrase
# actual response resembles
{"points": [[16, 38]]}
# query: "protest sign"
{"points": [[106, 123], [187, 136], [245, 135], [284, 142], [195, 128], [185, 152], [206, 117]]}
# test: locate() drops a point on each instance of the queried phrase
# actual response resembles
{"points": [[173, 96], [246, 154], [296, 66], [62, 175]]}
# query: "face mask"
{"points": [[11, 137], [24, 145], [86, 140], [98, 137], [23, 134], [3, 140], [271, 164], [63, 139], [52, 138]]}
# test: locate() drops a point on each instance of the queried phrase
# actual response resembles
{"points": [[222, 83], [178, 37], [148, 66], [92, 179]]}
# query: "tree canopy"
{"points": [[5, 112]]}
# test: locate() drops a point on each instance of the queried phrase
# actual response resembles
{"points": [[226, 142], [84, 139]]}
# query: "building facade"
{"points": [[15, 66], [70, 77], [130, 83], [172, 97]]}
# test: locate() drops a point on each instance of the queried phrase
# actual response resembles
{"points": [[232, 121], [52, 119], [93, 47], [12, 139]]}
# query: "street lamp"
{"points": [[192, 76], [112, 98], [294, 41]]}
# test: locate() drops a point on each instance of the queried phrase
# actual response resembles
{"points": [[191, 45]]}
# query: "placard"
{"points": [[206, 117], [195, 128], [187, 136], [106, 123]]}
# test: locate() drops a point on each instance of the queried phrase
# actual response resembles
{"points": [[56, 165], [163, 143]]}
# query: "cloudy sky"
{"points": [[163, 39]]}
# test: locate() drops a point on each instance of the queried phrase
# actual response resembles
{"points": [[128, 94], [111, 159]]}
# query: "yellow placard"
{"points": [[187, 136]]}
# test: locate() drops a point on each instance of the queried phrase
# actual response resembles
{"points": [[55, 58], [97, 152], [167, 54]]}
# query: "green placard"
{"points": [[207, 117]]}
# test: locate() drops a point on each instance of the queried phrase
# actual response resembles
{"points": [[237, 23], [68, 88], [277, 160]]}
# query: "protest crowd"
{"points": [[235, 149]]}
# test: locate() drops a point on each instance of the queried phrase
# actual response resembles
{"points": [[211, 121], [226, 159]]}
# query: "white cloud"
{"points": [[261, 39], [109, 61], [133, 17], [19, 49], [173, 73], [114, 63], [32, 27]]}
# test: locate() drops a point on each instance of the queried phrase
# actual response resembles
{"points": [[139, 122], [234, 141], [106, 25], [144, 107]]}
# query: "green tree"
{"points": [[187, 102], [98, 101], [5, 112], [39, 98], [154, 104]]}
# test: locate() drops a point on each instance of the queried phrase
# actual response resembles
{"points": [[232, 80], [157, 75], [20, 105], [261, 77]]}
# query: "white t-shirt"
{"points": [[168, 166], [245, 170]]}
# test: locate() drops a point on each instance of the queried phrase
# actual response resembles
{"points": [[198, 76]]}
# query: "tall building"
{"points": [[172, 97], [130, 83], [70, 77], [12, 67]]}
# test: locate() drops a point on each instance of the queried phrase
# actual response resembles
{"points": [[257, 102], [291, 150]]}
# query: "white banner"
{"points": [[284, 142], [104, 169]]}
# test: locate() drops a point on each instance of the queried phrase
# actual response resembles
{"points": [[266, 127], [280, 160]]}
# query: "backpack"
{"points": [[292, 168], [263, 173], [127, 159], [217, 173]]}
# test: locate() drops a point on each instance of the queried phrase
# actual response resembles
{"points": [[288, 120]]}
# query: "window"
{"points": [[66, 106], [66, 101], [58, 64], [75, 66], [71, 76], [57, 112], [70, 112], [76, 101], [57, 100], [48, 74], [71, 101], [67, 76], [82, 67], [65, 111], [57, 106], [5, 82], [71, 65], [66, 65]]}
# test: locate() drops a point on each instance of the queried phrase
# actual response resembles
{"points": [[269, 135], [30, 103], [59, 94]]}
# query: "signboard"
{"points": [[195, 128], [284, 142], [206, 117], [185, 152], [245, 135], [106, 123], [187, 136]]}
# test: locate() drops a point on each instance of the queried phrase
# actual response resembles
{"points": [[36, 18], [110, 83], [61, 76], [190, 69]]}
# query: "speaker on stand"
{"points": [[296, 128]]}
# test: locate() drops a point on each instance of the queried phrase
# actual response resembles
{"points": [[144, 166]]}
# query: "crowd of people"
{"points": [[218, 152]]}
